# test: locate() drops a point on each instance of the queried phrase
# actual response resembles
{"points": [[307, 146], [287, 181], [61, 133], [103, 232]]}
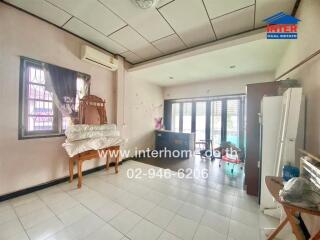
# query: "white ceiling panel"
{"points": [[172, 25], [258, 56], [163, 2], [217, 8], [133, 41], [129, 38], [148, 22], [79, 28], [43, 9], [233, 23], [131, 57], [148, 52], [267, 8], [189, 19], [169, 44], [93, 13]]}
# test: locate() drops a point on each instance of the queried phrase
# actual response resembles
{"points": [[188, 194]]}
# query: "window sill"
{"points": [[40, 136]]}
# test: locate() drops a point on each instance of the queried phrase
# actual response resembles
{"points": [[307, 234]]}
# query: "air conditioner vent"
{"points": [[98, 58]]}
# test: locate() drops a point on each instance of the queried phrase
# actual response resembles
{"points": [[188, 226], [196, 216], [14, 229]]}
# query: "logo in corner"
{"points": [[282, 26]]}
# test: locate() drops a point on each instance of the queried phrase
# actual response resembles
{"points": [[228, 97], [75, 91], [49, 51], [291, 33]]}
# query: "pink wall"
{"points": [[25, 163]]}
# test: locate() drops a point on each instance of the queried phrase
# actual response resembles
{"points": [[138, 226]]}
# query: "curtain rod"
{"points": [[299, 64]]}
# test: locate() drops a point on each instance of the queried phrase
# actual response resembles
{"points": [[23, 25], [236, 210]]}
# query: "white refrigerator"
{"points": [[291, 132], [282, 134]]}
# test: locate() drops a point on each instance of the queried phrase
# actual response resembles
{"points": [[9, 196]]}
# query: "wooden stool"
{"points": [[274, 185], [90, 155]]}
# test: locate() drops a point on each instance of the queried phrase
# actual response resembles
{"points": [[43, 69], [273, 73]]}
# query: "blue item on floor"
{"points": [[289, 172]]}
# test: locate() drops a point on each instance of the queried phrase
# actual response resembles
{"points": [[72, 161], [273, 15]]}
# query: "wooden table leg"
{"points": [[79, 173], [278, 229], [71, 169], [316, 237], [107, 159], [294, 224], [117, 159]]}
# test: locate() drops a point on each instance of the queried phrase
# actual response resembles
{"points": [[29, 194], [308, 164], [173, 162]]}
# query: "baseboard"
{"points": [[51, 183]]}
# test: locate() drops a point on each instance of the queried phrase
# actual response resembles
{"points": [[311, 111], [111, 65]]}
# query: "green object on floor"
{"points": [[232, 170]]}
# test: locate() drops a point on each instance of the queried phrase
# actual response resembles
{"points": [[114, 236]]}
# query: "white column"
{"points": [[120, 93]]}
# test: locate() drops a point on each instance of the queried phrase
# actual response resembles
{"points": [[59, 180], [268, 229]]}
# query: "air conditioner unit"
{"points": [[98, 58]]}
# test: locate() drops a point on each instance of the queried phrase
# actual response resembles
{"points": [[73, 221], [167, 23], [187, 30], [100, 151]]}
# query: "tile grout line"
{"points": [[90, 210], [211, 24], [165, 4], [229, 227], [72, 16], [237, 10], [156, 204], [125, 208], [198, 225], [158, 10], [128, 25], [24, 229]]}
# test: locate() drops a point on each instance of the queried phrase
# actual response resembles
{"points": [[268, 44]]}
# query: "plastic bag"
{"points": [[299, 191]]}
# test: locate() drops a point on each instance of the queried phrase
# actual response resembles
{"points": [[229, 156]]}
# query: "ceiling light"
{"points": [[145, 4], [232, 66]]}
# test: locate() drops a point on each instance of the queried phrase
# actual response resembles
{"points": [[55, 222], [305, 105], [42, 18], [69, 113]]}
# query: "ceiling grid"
{"points": [[139, 35]]}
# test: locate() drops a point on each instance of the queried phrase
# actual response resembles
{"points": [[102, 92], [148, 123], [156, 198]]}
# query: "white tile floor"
{"points": [[114, 207]]}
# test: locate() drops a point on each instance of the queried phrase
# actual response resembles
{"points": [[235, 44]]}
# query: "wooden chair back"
{"points": [[92, 110]]}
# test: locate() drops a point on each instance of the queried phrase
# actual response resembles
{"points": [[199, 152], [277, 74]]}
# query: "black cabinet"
{"points": [[178, 145]]}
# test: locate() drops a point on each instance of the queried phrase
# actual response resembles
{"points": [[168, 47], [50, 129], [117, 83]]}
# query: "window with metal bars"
{"points": [[38, 115]]}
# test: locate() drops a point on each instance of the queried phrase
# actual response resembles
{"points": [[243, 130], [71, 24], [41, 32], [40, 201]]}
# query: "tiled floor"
{"points": [[221, 175], [114, 207]]}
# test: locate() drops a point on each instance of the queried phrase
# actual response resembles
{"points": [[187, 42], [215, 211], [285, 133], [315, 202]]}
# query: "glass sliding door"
{"points": [[175, 117], [212, 119], [186, 117], [200, 121], [216, 123], [233, 121]]}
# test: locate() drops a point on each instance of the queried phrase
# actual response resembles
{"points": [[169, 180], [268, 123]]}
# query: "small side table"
{"points": [[274, 185]]}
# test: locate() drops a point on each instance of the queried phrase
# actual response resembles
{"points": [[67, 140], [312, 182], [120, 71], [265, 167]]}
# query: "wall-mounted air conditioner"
{"points": [[98, 58]]}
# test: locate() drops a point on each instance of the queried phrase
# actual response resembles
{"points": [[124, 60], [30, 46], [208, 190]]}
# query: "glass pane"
{"points": [[175, 119], [39, 92], [81, 91], [40, 123], [187, 112], [36, 75], [216, 124], [40, 107], [233, 121], [66, 121], [200, 121]]}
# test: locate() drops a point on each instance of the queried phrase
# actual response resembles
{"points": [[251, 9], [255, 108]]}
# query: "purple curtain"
{"points": [[62, 83]]}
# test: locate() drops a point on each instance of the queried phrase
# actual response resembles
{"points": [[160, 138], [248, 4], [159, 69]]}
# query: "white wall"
{"points": [[216, 87], [308, 74], [138, 103], [308, 36], [143, 102], [25, 163]]}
